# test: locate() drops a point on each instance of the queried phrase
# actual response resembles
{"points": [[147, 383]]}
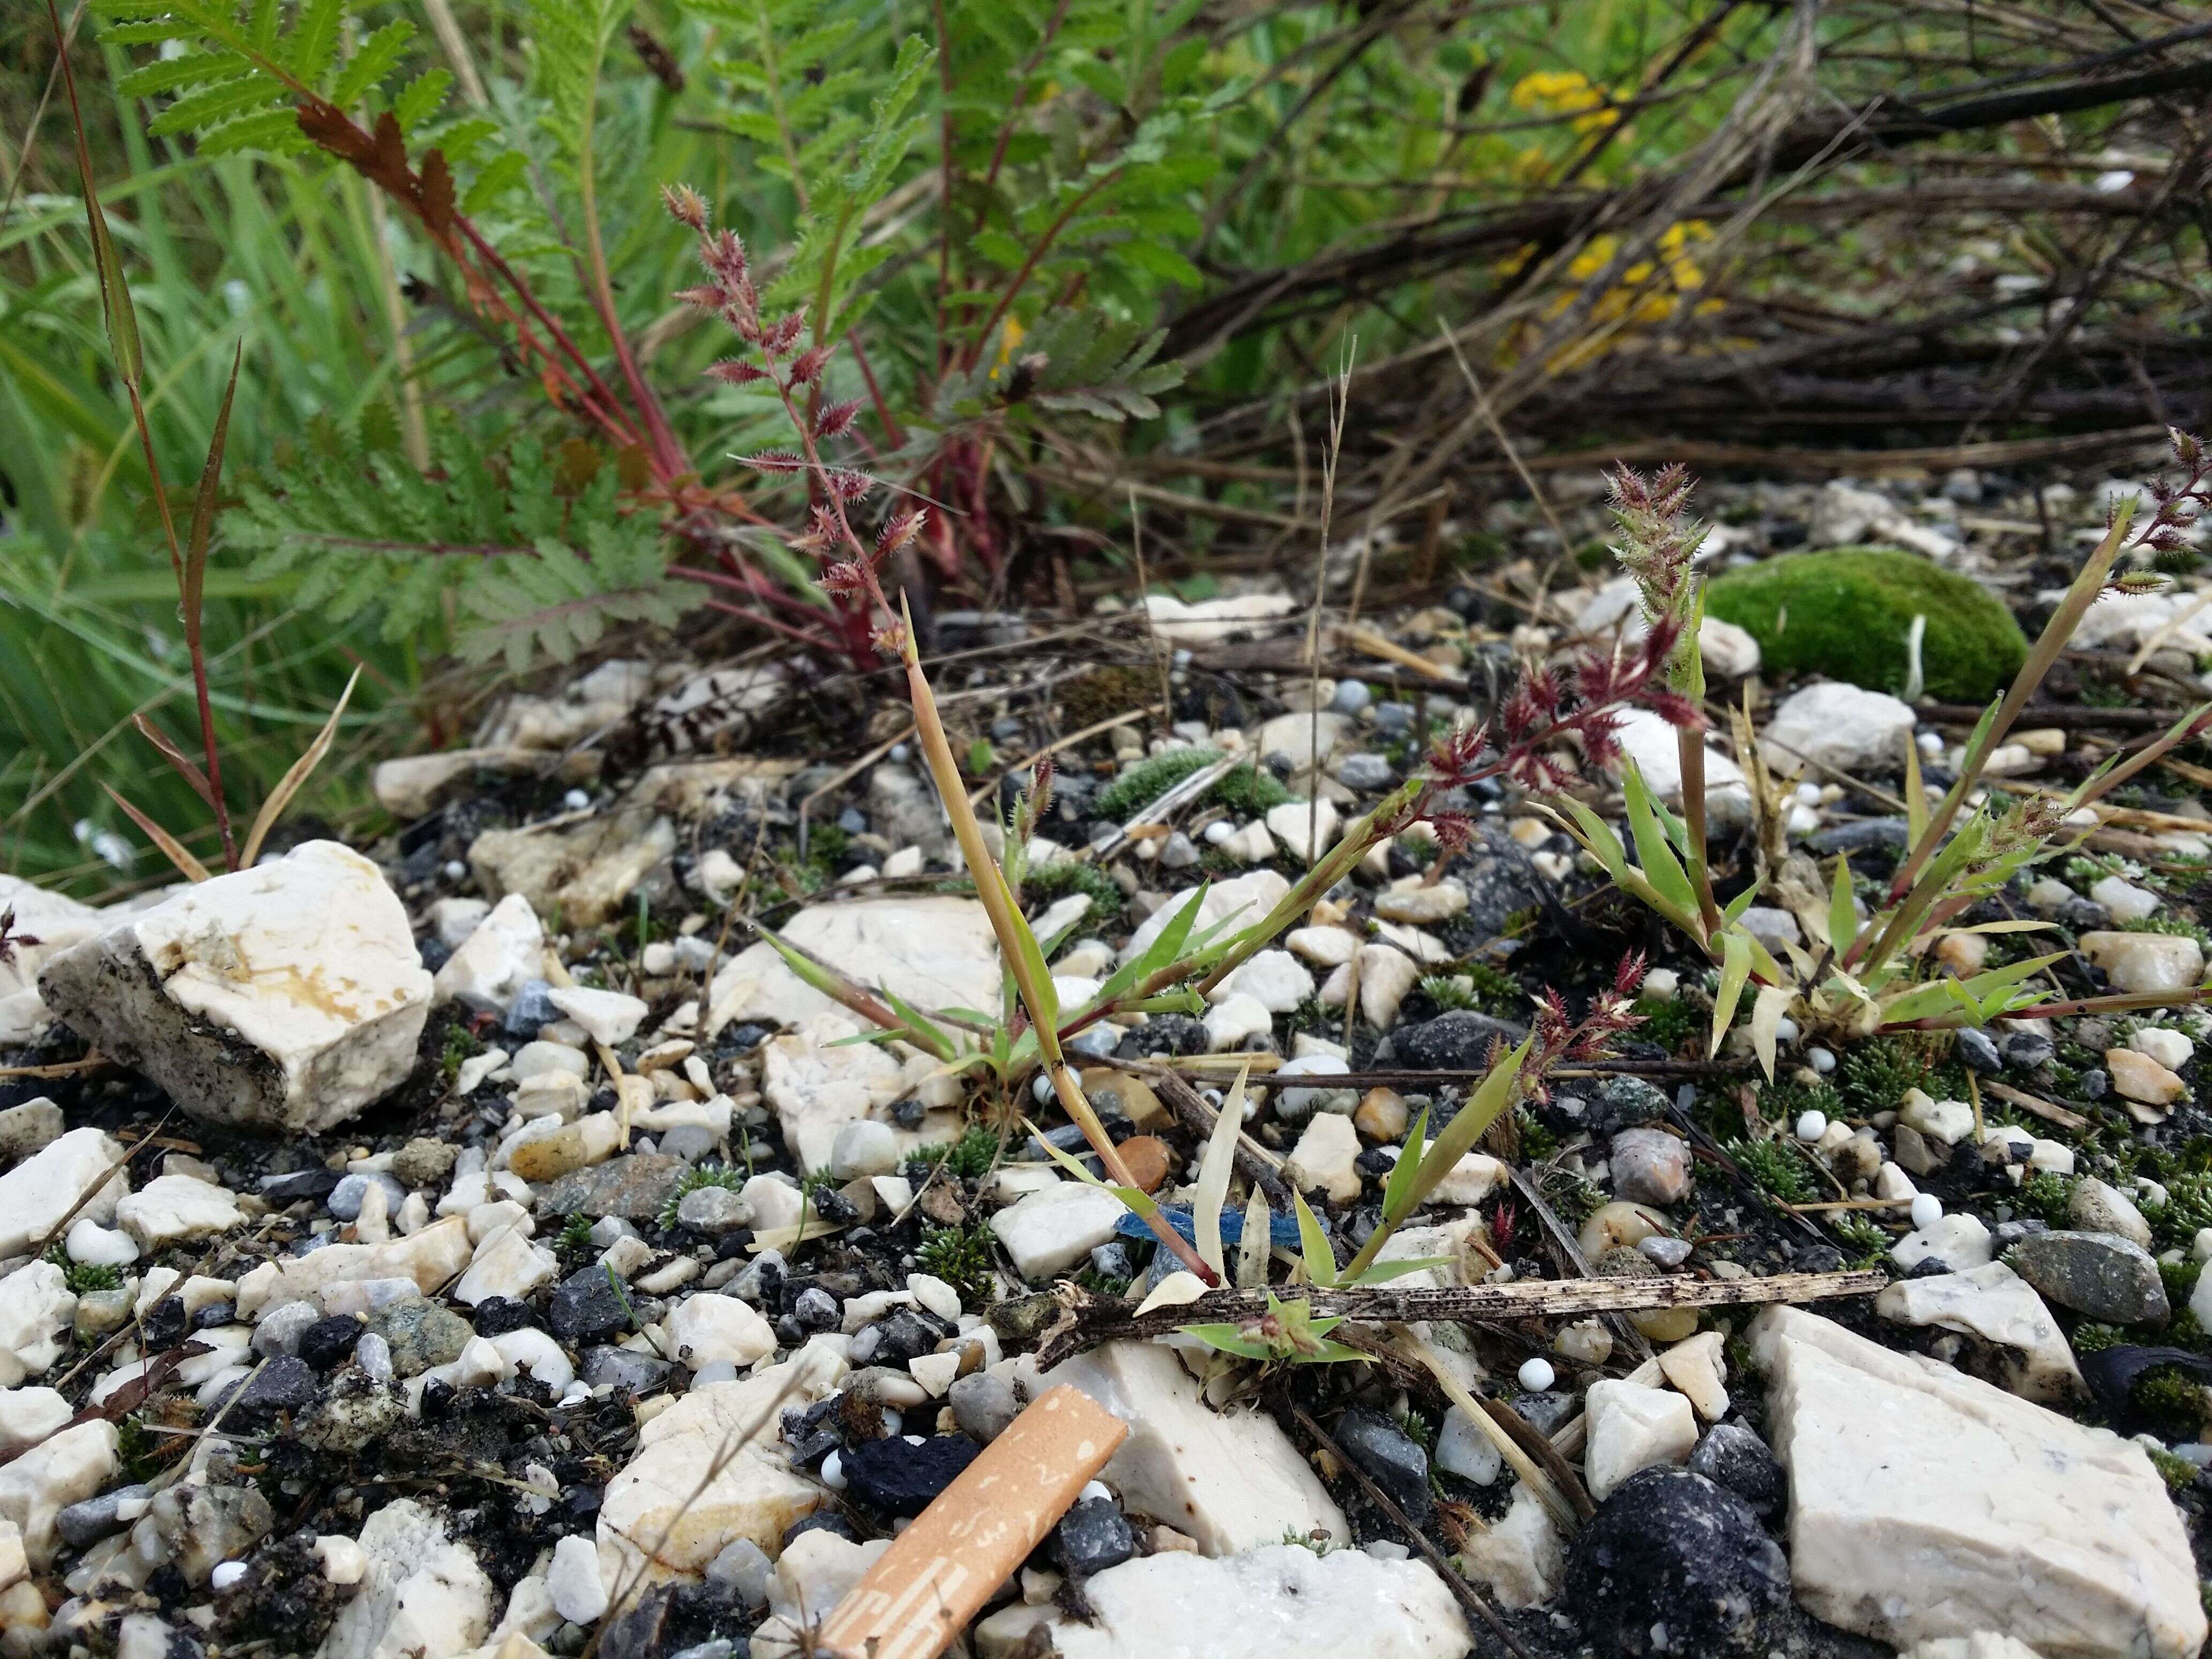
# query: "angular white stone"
{"points": [[172, 1209], [707, 1327], [67, 1468], [1924, 1504], [1415, 901], [1049, 1231], [1981, 1645], [933, 952], [2145, 962], [813, 1576], [710, 1470], [422, 1595], [1280, 1602], [1466, 1450], [1631, 1427], [1385, 974], [1297, 824], [818, 1087], [610, 1017], [502, 953], [1230, 1480], [1522, 1558], [29, 1415], [1275, 979], [36, 1311], [1995, 1303], [56, 921], [1698, 1370], [1649, 742], [1248, 900], [429, 1258], [1837, 725], [1230, 1023], [1324, 947], [1960, 1241], [287, 996], [39, 1192], [1205, 622], [1947, 1121], [574, 1580], [1325, 1158], [506, 1264], [2170, 1048]]}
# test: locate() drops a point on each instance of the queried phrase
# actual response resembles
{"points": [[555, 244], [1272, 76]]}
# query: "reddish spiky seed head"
{"points": [[684, 206]]}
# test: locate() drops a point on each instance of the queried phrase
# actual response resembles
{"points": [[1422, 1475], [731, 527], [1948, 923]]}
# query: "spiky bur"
{"points": [[775, 360], [10, 938]]}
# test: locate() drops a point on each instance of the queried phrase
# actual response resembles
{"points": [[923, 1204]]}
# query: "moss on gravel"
{"points": [[1846, 613]]}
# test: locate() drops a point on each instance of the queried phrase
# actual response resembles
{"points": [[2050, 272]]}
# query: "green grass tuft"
{"points": [[1244, 789], [2045, 1195], [698, 1176], [1844, 613]]}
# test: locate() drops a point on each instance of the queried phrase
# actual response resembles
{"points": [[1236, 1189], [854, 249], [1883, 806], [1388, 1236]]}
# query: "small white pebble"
{"points": [[455, 870], [832, 1472], [1931, 743], [1536, 1374], [1095, 1489], [1821, 1061], [1927, 1210], [894, 1422], [1785, 1030], [1811, 1126], [1041, 1091], [576, 800], [1218, 831], [225, 1574]]}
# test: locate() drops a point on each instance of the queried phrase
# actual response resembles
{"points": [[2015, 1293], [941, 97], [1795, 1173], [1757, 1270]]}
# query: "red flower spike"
{"points": [[732, 371], [835, 420], [849, 486], [807, 366], [899, 531], [684, 206]]}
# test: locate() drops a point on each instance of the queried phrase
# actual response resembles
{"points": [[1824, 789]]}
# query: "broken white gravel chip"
{"points": [[287, 996]]}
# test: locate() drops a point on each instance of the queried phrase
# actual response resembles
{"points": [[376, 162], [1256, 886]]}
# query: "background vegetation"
{"points": [[1076, 253]]}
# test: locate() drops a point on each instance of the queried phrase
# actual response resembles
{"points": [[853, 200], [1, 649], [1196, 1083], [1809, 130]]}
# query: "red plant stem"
{"points": [[894, 434], [811, 641], [194, 645], [1035, 254]]}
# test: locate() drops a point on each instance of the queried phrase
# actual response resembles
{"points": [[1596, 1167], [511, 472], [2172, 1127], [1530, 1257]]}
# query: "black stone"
{"points": [[1674, 1564], [283, 1384], [1092, 1537], [827, 1520], [1164, 1034], [907, 1333], [325, 1344], [215, 1315], [900, 1475], [672, 1619], [1622, 1103], [300, 1183], [1977, 1051], [164, 1324], [1734, 1456], [495, 1316], [833, 1207], [587, 1307], [2027, 1050], [1457, 1041], [1546, 1412], [2094, 1083], [1928, 1267], [815, 1310], [1391, 1459], [1862, 836]]}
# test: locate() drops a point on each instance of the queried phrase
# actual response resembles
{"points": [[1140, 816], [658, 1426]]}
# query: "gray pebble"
{"points": [[344, 1201], [983, 1405], [374, 1355]]}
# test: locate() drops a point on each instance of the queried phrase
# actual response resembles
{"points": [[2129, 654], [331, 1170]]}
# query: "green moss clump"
{"points": [[961, 1256], [1048, 882], [1779, 1169], [1244, 789], [2047, 1196], [1845, 614], [969, 1156]]}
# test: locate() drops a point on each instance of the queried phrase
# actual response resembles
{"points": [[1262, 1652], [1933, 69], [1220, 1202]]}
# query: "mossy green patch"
{"points": [[1846, 613]]}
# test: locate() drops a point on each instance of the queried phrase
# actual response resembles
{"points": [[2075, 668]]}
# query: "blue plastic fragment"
{"points": [[1282, 1230]]}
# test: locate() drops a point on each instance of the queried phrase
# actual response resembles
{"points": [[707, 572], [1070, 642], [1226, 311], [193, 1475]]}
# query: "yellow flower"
{"points": [[1007, 341]]}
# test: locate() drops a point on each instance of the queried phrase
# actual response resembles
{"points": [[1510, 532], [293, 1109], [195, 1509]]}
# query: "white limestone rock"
{"points": [[429, 1258], [1385, 975], [506, 1264], [1649, 742], [174, 1209], [1276, 979], [1230, 1480], [933, 952], [1326, 1156], [608, 1017], [29, 1415], [1981, 1645], [1248, 900], [2146, 962], [287, 996], [1231, 1023], [1522, 1558], [36, 1313], [813, 1575], [1925, 1503], [1278, 1602], [1048, 1231], [574, 1582], [502, 953], [1996, 1305], [707, 1328], [64, 1469], [817, 1084], [710, 1470], [422, 1595], [1830, 724], [1298, 825], [1961, 1242], [39, 1192], [56, 921], [1631, 1427]]}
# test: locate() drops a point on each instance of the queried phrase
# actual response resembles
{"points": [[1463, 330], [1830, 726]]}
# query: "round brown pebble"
{"points": [[1147, 1158], [1381, 1117]]}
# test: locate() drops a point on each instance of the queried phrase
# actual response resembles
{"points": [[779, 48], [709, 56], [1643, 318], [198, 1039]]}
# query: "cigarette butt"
{"points": [[938, 1574]]}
